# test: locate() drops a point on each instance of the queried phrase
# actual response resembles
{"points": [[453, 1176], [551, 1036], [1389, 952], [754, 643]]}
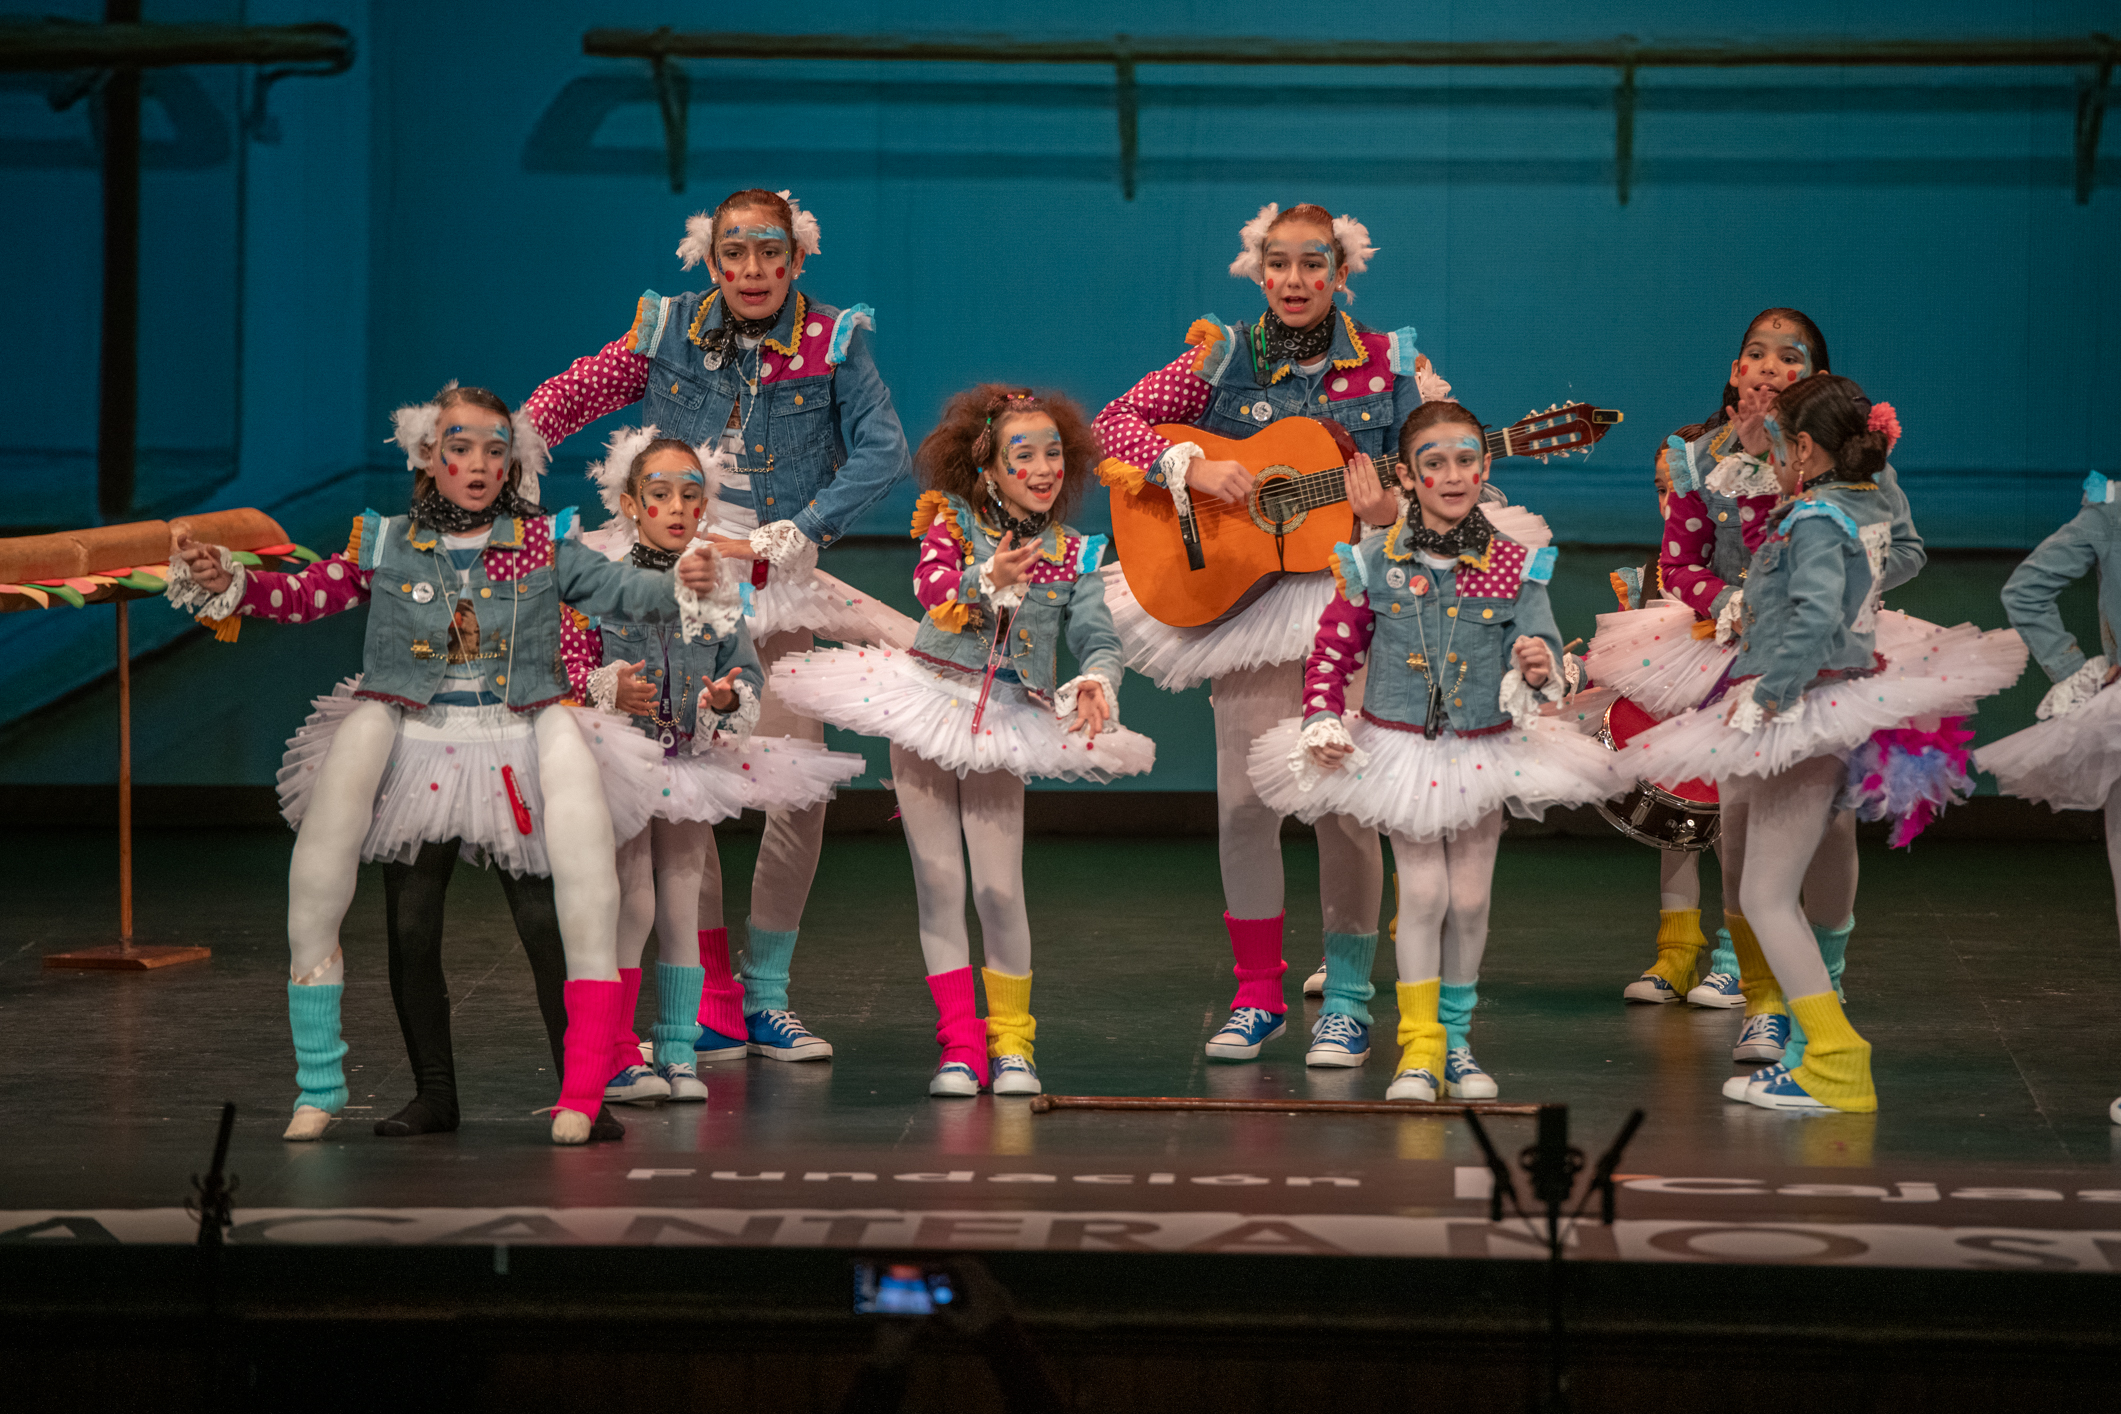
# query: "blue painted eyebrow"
{"points": [[1470, 443], [498, 429]]}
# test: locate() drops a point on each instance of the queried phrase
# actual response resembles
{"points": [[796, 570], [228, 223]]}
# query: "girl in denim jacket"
{"points": [[975, 709]]}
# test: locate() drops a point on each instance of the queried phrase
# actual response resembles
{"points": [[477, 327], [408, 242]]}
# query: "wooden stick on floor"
{"points": [[1046, 1104]]}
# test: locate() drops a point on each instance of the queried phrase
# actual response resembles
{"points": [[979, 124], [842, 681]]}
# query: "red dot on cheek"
{"points": [[652, 512], [452, 468], [729, 275], [1429, 481], [780, 272], [1793, 375], [1744, 369], [1319, 285]]}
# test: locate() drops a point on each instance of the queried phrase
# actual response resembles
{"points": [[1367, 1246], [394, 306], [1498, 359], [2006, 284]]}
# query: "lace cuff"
{"points": [[2074, 691], [1325, 731], [1573, 674], [1749, 716], [713, 614], [1521, 700], [602, 688], [185, 592], [780, 544], [1172, 466], [1740, 475], [1730, 619], [1431, 385], [1064, 700], [735, 725], [1005, 596]]}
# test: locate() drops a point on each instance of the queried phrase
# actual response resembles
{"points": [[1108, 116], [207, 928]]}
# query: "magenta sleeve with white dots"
{"points": [[940, 569], [1683, 559], [1343, 642], [314, 592], [581, 651], [612, 378], [1126, 428]]}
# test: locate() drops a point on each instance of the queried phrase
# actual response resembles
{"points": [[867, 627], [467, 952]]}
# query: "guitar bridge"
{"points": [[1189, 536]]}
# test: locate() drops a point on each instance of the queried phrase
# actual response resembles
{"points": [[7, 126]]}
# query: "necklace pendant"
{"points": [[1432, 720], [666, 738]]}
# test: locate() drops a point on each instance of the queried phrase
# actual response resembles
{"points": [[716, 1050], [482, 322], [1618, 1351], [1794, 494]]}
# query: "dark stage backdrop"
{"points": [[478, 200]]}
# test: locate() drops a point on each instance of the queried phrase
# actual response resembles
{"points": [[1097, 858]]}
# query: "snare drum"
{"points": [[1683, 817]]}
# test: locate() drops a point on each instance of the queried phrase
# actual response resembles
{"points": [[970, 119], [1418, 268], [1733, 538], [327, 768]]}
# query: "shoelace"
{"points": [[1009, 1063], [1244, 1016], [1462, 1059], [1337, 1026], [790, 1020]]}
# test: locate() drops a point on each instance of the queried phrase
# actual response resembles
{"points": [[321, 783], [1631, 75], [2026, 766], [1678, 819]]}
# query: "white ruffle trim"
{"points": [[719, 781], [2070, 762], [444, 779], [714, 614], [2074, 691], [1001, 596], [1411, 786], [1747, 715], [1740, 475], [1730, 619], [186, 593], [603, 688], [1277, 627], [1172, 467], [784, 547], [885, 693], [1431, 385], [1064, 699], [1929, 672], [734, 725], [1326, 731], [829, 608], [1527, 528], [1521, 700], [1650, 655]]}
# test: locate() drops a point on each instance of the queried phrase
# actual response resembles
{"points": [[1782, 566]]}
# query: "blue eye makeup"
{"points": [[499, 430], [1471, 444]]}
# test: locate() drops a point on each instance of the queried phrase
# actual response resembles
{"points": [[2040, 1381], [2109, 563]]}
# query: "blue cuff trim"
{"points": [[1355, 585], [1091, 554], [1680, 462], [843, 327], [1400, 352], [744, 595], [566, 525], [1540, 566], [2098, 491], [1631, 576], [1813, 510], [371, 539]]}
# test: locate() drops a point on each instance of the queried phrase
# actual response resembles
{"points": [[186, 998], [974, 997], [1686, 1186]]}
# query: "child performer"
{"points": [[787, 386], [699, 699], [972, 711], [2071, 758], [1809, 684], [1455, 622], [453, 738], [1671, 652]]}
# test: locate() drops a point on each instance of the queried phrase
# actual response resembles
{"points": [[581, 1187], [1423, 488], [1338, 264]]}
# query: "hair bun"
{"points": [[1863, 454]]}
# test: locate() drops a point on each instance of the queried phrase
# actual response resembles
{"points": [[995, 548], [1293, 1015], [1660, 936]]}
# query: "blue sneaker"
{"points": [[1738, 1086], [1412, 1085], [684, 1082], [780, 1035], [1463, 1077], [1649, 987], [1718, 989], [1315, 984], [636, 1084], [1248, 1028], [1338, 1040], [1763, 1039], [1013, 1075], [953, 1080], [1784, 1093], [713, 1045]]}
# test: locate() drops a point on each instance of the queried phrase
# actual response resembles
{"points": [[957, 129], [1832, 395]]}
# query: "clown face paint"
{"points": [[1299, 273], [669, 500], [470, 462], [1033, 462], [1774, 356], [1445, 473], [755, 261], [1782, 456]]}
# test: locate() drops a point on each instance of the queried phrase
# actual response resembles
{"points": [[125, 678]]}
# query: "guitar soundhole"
{"points": [[1276, 504]]}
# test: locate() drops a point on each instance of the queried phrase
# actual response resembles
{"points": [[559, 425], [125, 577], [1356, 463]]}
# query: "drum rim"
{"points": [[1620, 823], [1604, 737]]}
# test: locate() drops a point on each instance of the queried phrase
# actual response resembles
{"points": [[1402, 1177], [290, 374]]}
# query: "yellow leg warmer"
{"points": [[1010, 1025], [1679, 945], [1763, 994], [1420, 1032], [1837, 1062]]}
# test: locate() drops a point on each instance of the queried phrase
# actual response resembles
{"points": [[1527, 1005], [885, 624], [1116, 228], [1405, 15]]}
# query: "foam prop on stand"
{"points": [[114, 564]]}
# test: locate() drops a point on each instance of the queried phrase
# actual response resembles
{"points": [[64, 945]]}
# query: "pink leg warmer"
{"points": [[1255, 943], [722, 997], [958, 1028], [625, 1046], [592, 1020]]}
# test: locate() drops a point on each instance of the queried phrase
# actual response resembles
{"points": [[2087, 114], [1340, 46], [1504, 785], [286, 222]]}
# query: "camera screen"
{"points": [[901, 1289]]}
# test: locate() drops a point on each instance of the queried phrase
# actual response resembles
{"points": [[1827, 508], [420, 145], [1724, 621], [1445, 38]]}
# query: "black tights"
{"points": [[413, 896]]}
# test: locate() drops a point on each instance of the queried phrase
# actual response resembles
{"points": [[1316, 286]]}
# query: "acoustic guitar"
{"points": [[1198, 569]]}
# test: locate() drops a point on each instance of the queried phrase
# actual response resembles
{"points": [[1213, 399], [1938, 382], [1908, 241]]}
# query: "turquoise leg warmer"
{"points": [[1793, 1053], [313, 1016], [677, 1012], [1834, 949], [1454, 1008], [1349, 957], [1724, 958], [765, 968]]}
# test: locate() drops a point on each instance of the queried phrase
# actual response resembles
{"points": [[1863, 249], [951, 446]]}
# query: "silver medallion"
{"points": [[1261, 411], [1396, 577], [423, 593]]}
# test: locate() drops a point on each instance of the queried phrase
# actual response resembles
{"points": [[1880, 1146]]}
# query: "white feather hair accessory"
{"points": [[413, 428], [531, 454], [1353, 236], [698, 246], [619, 452]]}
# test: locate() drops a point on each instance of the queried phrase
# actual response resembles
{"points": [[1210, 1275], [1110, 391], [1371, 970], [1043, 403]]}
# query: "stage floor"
{"points": [[1987, 976]]}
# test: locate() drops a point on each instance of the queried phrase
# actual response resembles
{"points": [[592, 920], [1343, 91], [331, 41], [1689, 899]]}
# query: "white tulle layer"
{"points": [[444, 779], [885, 693], [1650, 656], [1277, 627], [758, 773], [828, 607], [2069, 763], [1929, 672], [1425, 790]]}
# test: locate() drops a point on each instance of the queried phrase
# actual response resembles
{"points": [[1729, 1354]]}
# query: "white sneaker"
{"points": [[684, 1081], [1338, 1041], [1412, 1085], [1315, 984], [953, 1080], [1248, 1028], [2113, 1111], [310, 1123], [1735, 1088], [636, 1084], [1463, 1077], [1649, 987], [1013, 1075], [1718, 989]]}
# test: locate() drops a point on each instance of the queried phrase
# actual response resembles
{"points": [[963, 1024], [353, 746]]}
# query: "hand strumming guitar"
{"points": [[1221, 481], [1012, 562]]}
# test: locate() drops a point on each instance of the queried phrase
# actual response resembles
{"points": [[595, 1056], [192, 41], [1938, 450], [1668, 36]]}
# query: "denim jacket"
{"points": [[2089, 542], [1812, 591]]}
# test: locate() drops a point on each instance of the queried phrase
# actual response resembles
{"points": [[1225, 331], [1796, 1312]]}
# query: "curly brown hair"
{"points": [[968, 441]]}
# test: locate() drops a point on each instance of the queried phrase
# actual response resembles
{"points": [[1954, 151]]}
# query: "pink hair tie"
{"points": [[1884, 419]]}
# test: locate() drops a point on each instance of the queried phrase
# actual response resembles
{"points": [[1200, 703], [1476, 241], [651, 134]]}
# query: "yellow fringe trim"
{"points": [[224, 629], [353, 541], [802, 316], [1204, 334], [1362, 355], [1122, 475], [1620, 589], [1340, 581], [933, 506], [951, 617], [1704, 628], [699, 320], [640, 317]]}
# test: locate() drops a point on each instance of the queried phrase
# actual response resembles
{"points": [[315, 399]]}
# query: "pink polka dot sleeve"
{"points": [[1683, 557], [1343, 642], [316, 591], [1126, 429], [940, 569], [612, 378], [581, 651]]}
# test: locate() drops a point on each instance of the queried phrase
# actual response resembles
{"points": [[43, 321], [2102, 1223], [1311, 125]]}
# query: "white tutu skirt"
{"points": [[1929, 672], [886, 693], [828, 607], [759, 773], [1425, 790], [1650, 656], [2069, 763], [444, 779]]}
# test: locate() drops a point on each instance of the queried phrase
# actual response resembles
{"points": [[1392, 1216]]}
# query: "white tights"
{"points": [[1351, 878], [1829, 882], [947, 819], [1772, 829], [670, 878], [579, 844], [1445, 886], [788, 852], [2113, 843]]}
